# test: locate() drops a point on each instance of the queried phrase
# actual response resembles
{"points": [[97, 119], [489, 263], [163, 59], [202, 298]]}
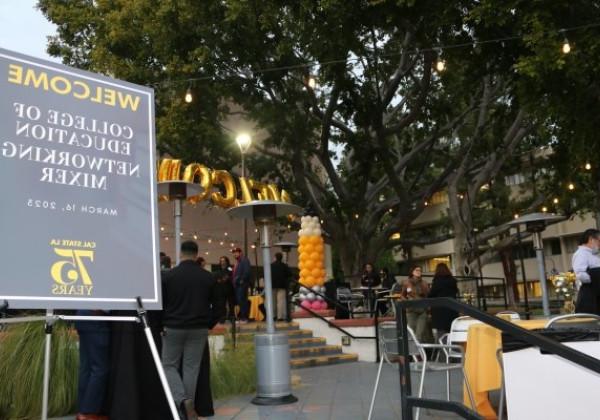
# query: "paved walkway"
{"points": [[340, 392]]}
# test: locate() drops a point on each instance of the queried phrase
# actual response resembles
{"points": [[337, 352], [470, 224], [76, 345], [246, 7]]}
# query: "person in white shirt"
{"points": [[586, 265]]}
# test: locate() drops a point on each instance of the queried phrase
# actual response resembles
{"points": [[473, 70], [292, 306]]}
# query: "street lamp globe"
{"points": [[244, 141]]}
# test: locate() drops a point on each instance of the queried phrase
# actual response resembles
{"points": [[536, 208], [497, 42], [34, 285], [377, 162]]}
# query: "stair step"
{"points": [[291, 333], [323, 360], [261, 326], [297, 353], [297, 343]]}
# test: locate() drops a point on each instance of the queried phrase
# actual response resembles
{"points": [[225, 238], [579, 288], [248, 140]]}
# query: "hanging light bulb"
{"points": [[210, 240], [566, 47], [516, 215], [571, 186], [440, 65], [195, 237], [544, 209], [311, 82], [162, 228], [188, 96], [588, 166], [555, 201], [225, 234]]}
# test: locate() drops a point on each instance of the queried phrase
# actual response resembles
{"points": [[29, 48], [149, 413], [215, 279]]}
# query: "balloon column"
{"points": [[312, 272]]}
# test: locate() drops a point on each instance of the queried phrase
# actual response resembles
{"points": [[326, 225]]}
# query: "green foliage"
{"points": [[22, 371], [233, 371]]}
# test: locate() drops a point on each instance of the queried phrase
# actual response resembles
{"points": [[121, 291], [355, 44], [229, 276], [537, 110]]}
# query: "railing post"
{"points": [[404, 363], [377, 350]]}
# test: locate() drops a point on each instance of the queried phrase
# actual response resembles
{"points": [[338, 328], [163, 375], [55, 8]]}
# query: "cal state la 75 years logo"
{"points": [[70, 271]]}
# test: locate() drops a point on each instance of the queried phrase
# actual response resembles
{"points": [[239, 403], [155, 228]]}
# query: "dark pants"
{"points": [[94, 368], [241, 298], [587, 300]]}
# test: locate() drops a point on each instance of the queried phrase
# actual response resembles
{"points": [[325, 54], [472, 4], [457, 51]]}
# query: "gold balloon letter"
{"points": [[225, 179], [193, 171]]}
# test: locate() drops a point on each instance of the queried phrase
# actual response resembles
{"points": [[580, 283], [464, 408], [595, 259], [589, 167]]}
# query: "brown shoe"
{"points": [[190, 410]]}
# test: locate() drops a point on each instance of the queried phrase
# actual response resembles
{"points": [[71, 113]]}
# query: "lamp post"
{"points": [[272, 348], [177, 191], [244, 141], [536, 223]]}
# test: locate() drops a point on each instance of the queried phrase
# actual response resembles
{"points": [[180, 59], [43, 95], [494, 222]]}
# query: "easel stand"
{"points": [[51, 319]]}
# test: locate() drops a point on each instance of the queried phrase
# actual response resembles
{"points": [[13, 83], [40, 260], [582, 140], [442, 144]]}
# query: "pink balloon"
{"points": [[306, 304], [316, 304]]}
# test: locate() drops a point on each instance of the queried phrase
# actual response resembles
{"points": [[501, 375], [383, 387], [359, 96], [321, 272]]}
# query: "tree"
{"points": [[370, 144]]}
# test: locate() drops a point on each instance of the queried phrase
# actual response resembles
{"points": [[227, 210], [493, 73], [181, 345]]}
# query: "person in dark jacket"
{"points": [[188, 293], [241, 282], [224, 304], [370, 279], [280, 277], [443, 285]]}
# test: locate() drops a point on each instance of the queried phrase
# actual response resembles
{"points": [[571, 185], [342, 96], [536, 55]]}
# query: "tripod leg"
{"points": [[47, 347], [157, 362]]}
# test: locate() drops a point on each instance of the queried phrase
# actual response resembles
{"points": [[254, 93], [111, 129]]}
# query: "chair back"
{"points": [[388, 340], [459, 328], [512, 314], [579, 320], [344, 294]]}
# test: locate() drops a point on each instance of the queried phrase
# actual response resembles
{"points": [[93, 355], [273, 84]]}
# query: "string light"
{"points": [[588, 166], [210, 240], [195, 237], [516, 215], [544, 209], [253, 246], [225, 234], [166, 238], [426, 203], [440, 65], [571, 186], [437, 48], [188, 96], [356, 216], [162, 228], [221, 243], [555, 201], [311, 82], [566, 47], [180, 233]]}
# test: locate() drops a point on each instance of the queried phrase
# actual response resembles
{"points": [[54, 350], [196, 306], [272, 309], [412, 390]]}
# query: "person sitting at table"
{"points": [[414, 287], [443, 285]]}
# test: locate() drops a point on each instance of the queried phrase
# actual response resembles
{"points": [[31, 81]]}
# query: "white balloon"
{"points": [[302, 296], [303, 289], [320, 298], [310, 296]]}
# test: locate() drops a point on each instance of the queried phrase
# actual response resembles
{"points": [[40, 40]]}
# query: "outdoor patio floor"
{"points": [[341, 392]]}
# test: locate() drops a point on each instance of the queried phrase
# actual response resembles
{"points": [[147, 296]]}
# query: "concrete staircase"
{"points": [[305, 350]]}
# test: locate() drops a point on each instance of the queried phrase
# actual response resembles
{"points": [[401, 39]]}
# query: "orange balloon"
{"points": [[302, 240], [308, 248], [315, 239], [316, 272], [300, 249], [318, 247], [309, 264], [316, 256], [300, 265], [304, 273], [309, 281]]}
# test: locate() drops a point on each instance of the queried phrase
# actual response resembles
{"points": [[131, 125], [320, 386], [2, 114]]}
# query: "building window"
{"points": [[515, 179]]}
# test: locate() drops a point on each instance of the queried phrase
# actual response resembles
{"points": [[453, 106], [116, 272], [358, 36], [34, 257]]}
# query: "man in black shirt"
{"points": [[187, 299], [280, 275]]}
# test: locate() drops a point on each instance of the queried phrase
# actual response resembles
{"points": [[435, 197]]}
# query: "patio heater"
{"points": [[272, 348], [536, 223], [177, 191]]}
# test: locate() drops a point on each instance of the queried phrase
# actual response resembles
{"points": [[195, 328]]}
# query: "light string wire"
{"points": [[438, 49]]}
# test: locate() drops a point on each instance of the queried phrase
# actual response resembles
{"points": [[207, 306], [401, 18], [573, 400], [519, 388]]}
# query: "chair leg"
{"points": [[376, 386], [448, 385], [502, 396], [421, 386], [469, 389]]}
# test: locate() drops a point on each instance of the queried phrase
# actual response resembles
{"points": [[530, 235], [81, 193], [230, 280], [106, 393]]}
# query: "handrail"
{"points": [[529, 337], [335, 302]]}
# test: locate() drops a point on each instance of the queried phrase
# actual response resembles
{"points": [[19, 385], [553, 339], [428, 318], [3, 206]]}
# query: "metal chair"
{"points": [[587, 321], [513, 315], [388, 338], [345, 296]]}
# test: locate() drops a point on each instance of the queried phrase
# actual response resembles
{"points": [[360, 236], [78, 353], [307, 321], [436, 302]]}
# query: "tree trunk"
{"points": [[510, 274]]}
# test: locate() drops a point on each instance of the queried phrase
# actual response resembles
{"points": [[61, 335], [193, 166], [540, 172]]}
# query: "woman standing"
{"points": [[224, 305], [443, 285], [369, 279], [415, 287]]}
